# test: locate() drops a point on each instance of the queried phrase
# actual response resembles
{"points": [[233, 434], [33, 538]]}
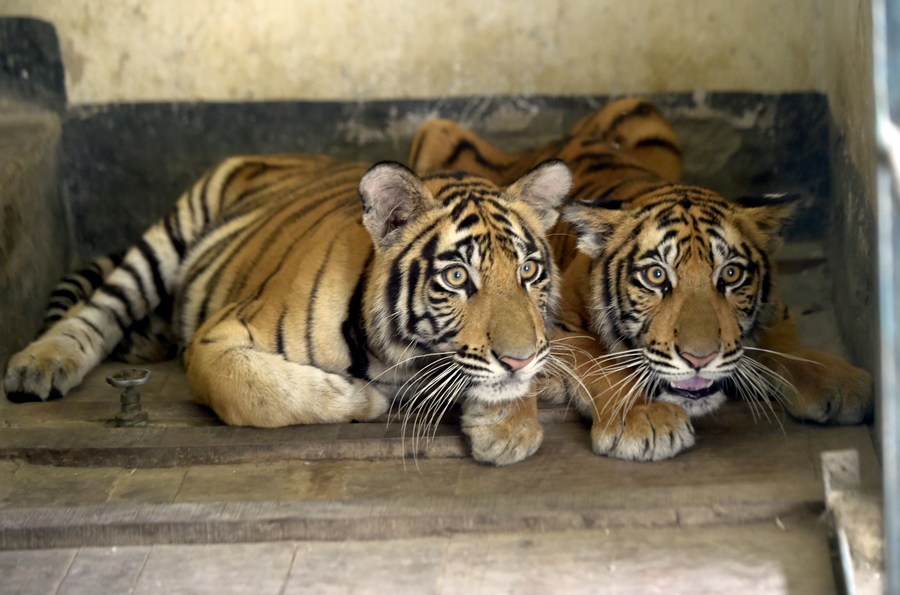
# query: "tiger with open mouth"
{"points": [[669, 294]]}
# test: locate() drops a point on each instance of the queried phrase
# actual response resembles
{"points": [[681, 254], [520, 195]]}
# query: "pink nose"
{"points": [[516, 363], [697, 361]]}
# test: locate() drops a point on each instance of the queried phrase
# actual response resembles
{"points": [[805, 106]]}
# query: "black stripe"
{"points": [[118, 293], [465, 146], [596, 201], [412, 282], [447, 335], [201, 200], [174, 233], [92, 276], [469, 221], [303, 208], [108, 312], [284, 256], [81, 346], [64, 297], [129, 268], [658, 142], [311, 303], [223, 190], [353, 328], [396, 280], [605, 165], [641, 110], [153, 263], [279, 335]]}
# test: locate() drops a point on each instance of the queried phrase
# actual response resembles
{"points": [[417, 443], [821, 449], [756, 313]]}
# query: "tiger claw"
{"points": [[42, 372], [648, 432], [843, 394], [503, 433]]}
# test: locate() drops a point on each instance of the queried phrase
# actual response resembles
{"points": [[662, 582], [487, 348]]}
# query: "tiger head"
{"points": [[463, 283], [681, 283]]}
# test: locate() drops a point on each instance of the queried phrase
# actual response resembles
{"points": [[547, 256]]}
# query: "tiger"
{"points": [[147, 340], [310, 290], [669, 295]]}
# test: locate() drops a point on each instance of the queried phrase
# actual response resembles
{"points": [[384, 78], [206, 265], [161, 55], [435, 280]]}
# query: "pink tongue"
{"points": [[695, 383]]}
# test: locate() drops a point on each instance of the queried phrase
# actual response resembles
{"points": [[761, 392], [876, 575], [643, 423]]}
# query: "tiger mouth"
{"points": [[693, 388]]}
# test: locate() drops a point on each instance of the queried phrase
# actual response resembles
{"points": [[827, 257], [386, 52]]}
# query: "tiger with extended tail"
{"points": [[308, 290], [669, 299]]}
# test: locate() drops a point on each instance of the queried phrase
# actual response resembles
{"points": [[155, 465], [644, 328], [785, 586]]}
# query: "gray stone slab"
{"points": [[60, 486], [396, 566], [104, 570], [34, 572], [149, 486], [260, 569], [758, 558]]}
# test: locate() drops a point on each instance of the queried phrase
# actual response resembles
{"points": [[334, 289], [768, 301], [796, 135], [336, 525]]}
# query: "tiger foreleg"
{"points": [[625, 424], [647, 431], [502, 433], [812, 384], [247, 386], [58, 361]]}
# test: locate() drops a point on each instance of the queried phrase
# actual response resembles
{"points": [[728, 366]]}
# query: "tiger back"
{"points": [[308, 290], [670, 298]]}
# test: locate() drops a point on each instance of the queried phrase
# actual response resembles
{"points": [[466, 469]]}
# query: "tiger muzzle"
{"points": [[514, 334]]}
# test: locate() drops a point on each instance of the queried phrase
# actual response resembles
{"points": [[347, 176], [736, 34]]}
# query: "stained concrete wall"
{"points": [[186, 50], [847, 27], [344, 50]]}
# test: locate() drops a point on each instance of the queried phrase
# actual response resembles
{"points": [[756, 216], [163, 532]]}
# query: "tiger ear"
{"points": [[594, 224], [391, 195], [543, 189], [769, 213]]}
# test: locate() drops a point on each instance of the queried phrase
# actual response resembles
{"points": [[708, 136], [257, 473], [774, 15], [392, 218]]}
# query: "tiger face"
{"points": [[465, 281], [681, 286]]}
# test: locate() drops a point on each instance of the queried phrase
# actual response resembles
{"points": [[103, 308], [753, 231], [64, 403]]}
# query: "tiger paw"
{"points": [[47, 369], [502, 433], [648, 432], [834, 392]]}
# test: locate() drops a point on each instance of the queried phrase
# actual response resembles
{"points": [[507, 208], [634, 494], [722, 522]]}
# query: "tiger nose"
{"points": [[515, 363], [697, 361]]}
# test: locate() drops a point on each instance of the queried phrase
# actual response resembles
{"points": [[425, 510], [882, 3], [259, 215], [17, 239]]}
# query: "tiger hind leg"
{"points": [[443, 145], [812, 384], [247, 386]]}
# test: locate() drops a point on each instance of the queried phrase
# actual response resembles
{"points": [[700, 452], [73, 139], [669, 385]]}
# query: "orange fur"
{"points": [[716, 301]]}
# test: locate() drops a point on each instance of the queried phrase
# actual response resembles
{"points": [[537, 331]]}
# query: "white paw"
{"points": [[501, 434], [46, 369]]}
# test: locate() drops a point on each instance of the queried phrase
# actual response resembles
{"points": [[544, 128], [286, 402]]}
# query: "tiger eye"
{"points": [[655, 275], [731, 273], [456, 276], [529, 269]]}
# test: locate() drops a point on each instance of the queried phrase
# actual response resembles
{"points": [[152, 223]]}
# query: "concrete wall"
{"points": [[847, 26], [186, 50], [358, 50]]}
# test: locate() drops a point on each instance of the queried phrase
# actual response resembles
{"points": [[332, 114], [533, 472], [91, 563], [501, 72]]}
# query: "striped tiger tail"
{"points": [[147, 276]]}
